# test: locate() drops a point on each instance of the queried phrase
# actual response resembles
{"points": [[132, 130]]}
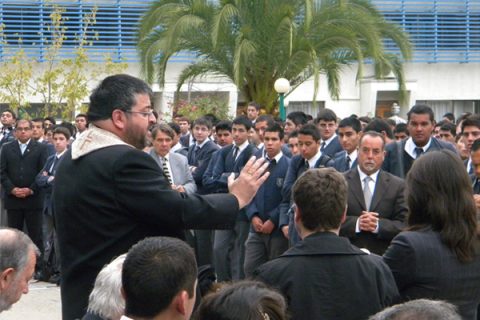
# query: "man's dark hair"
{"points": [[39, 120], [81, 115], [182, 118], [275, 127], [421, 109], [265, 118], [14, 116], [298, 117], [380, 126], [202, 121], [115, 92], [162, 127], [69, 126], [354, 123], [321, 197], [326, 115], [450, 116], [224, 125], [175, 127], [471, 121], [475, 146], [61, 130], [449, 126], [401, 127], [293, 134], [254, 104], [310, 130], [244, 121], [440, 123], [51, 119], [212, 118], [154, 272], [365, 119]]}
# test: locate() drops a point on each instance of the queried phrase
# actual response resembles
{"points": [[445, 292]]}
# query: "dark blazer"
{"points": [[185, 140], [325, 277], [295, 170], [340, 162], [268, 200], [333, 148], [208, 181], [108, 200], [399, 164], [424, 267], [285, 150], [225, 164], [7, 137], [388, 201], [17, 170], [200, 160], [42, 182]]}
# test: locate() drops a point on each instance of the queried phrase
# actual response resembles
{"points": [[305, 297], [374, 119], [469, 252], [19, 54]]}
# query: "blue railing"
{"points": [[441, 30]]}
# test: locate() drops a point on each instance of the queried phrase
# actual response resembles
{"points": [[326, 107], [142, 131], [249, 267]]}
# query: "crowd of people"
{"points": [[254, 218]]}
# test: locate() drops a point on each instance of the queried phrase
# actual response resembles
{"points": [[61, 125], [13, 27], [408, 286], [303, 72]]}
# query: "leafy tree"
{"points": [[15, 77], [62, 83], [253, 43]]}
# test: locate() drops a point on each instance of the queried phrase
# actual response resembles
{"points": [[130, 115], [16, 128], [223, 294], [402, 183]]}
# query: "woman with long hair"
{"points": [[438, 257]]}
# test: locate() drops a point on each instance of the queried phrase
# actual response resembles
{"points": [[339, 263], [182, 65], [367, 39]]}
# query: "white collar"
{"points": [[58, 155], [314, 159], [410, 147], [243, 146], [277, 157], [353, 156], [327, 142], [362, 174]]}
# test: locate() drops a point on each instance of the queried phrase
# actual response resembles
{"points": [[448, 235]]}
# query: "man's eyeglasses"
{"points": [[23, 129], [145, 114]]}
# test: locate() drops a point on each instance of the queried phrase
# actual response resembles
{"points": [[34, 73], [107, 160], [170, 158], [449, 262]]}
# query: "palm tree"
{"points": [[255, 42]]}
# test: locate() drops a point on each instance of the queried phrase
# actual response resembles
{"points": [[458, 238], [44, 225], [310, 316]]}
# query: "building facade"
{"points": [[444, 71]]}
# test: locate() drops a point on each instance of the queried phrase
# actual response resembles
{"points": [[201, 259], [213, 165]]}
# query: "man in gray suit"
{"points": [[174, 165], [376, 204]]}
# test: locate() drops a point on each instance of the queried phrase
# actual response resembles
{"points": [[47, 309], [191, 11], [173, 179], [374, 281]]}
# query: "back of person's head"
{"points": [[421, 309], [14, 249], [310, 130], [155, 272], [298, 117], [244, 300], [421, 109], [326, 115], [243, 120], [439, 195], [115, 92], [365, 119], [449, 116], [380, 126], [106, 300], [401, 127], [175, 127], [321, 197], [352, 122]]}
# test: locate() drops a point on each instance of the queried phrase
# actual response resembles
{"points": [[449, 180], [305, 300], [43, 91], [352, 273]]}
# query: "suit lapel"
{"points": [[356, 187], [381, 188]]}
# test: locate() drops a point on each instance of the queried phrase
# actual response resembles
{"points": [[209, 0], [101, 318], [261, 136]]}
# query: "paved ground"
{"points": [[41, 303]]}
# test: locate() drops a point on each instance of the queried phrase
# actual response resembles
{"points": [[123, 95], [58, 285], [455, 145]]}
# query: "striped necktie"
{"points": [[165, 170]]}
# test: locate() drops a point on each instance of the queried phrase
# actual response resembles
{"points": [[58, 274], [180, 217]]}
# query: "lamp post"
{"points": [[282, 86]]}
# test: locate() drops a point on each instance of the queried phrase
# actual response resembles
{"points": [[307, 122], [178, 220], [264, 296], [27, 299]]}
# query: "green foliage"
{"points": [[253, 43], [201, 106], [61, 84]]}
